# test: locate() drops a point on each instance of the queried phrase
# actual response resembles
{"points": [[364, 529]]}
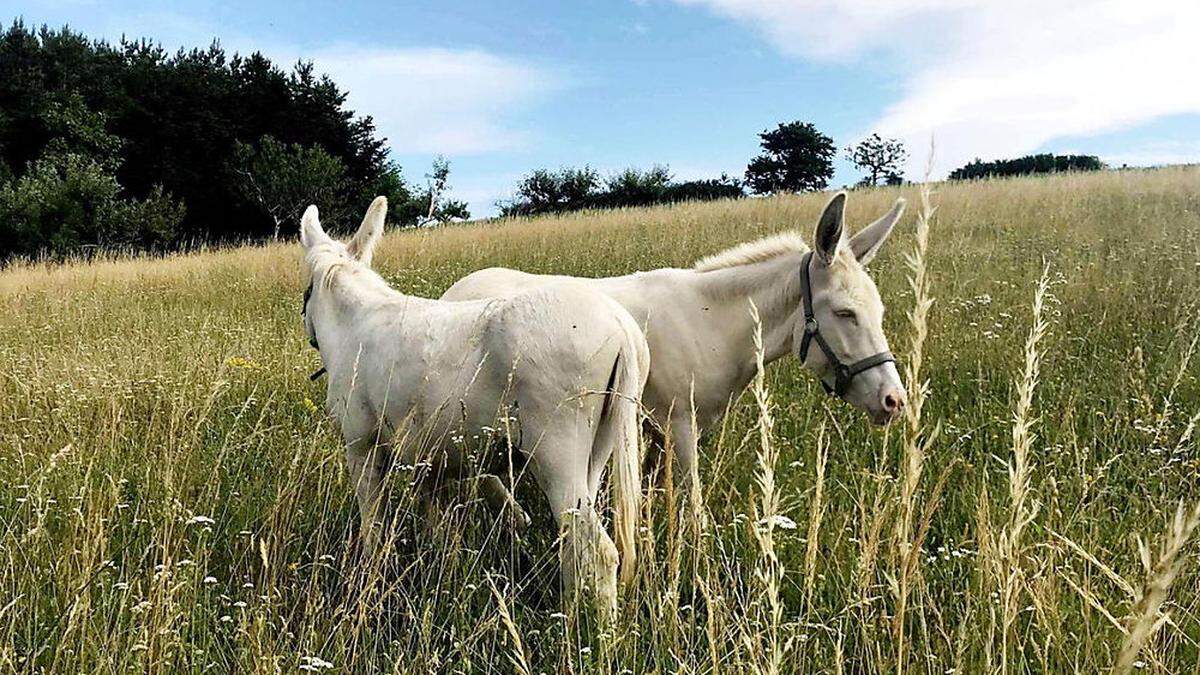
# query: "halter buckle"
{"points": [[810, 326]]}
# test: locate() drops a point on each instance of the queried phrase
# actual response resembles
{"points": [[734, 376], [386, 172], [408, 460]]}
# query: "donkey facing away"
{"points": [[700, 330], [410, 377]]}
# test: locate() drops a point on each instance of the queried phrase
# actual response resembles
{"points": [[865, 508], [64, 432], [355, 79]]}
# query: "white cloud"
{"points": [[425, 100], [433, 100], [996, 79], [838, 29]]}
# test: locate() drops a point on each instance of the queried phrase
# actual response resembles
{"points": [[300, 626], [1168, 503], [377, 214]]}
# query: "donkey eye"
{"points": [[845, 314]]}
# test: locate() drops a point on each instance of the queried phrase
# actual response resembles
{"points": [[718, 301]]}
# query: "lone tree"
{"points": [[796, 157], [437, 185], [281, 179], [880, 158]]}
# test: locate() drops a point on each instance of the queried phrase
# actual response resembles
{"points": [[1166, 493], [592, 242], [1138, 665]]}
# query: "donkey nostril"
{"points": [[892, 402]]}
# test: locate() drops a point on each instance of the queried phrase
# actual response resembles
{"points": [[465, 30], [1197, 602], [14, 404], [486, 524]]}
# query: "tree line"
{"points": [[795, 157], [128, 145], [1029, 164], [574, 189]]}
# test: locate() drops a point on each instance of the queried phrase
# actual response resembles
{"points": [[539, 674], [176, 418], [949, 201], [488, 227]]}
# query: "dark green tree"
{"points": [[67, 202], [179, 119], [635, 187], [546, 191], [69, 199], [707, 189], [796, 157]]}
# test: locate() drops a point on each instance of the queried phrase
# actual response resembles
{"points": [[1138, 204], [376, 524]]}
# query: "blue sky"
{"points": [[502, 88]]}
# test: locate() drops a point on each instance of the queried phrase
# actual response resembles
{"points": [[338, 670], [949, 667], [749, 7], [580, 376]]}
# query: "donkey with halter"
{"points": [[700, 330], [409, 378]]}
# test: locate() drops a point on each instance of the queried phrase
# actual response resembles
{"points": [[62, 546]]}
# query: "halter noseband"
{"points": [[312, 340], [843, 374]]}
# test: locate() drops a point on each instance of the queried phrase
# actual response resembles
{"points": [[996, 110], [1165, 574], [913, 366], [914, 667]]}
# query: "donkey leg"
{"points": [[684, 444], [367, 460], [559, 460], [687, 464], [602, 559], [587, 554], [500, 501], [656, 443]]}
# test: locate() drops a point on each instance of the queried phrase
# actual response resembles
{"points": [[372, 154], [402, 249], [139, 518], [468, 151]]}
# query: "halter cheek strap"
{"points": [[843, 374], [312, 340]]}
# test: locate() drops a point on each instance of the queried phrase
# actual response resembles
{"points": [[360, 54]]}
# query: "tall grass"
{"points": [[1011, 554], [172, 500], [765, 518], [916, 437]]}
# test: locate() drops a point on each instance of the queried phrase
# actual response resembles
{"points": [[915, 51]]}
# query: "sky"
{"points": [[502, 88]]}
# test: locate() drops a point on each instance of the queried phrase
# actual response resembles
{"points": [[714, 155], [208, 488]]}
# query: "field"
{"points": [[172, 500]]}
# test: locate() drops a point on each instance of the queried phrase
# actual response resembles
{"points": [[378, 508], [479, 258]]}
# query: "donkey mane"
{"points": [[324, 270], [759, 250]]}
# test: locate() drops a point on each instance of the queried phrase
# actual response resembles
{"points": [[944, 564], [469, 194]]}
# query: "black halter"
{"points": [[312, 340], [843, 374]]}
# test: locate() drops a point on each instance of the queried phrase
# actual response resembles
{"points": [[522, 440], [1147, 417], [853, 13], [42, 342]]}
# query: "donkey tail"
{"points": [[623, 419]]}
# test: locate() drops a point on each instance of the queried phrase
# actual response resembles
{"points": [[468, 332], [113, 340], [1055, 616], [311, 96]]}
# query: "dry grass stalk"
{"points": [[1146, 618], [1021, 511], [517, 655], [815, 511], [766, 516], [914, 445]]}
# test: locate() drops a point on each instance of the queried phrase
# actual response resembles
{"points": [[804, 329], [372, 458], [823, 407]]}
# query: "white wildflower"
{"points": [[779, 520], [313, 664]]}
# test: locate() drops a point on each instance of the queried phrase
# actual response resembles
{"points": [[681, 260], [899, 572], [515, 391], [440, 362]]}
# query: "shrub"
{"points": [[68, 201], [545, 191]]}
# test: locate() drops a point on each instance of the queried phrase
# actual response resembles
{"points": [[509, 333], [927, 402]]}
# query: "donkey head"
{"points": [[325, 252], [360, 247], [844, 341]]}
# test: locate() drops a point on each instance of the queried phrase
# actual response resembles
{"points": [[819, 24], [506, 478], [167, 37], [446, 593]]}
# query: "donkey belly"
{"points": [[453, 423]]}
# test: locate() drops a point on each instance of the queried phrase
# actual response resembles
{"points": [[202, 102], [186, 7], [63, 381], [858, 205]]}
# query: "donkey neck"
{"points": [[774, 287], [343, 293]]}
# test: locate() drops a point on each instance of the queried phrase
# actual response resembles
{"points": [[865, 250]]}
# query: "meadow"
{"points": [[172, 498]]}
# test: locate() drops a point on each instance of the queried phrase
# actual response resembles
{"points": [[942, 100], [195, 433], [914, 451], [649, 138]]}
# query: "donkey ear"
{"points": [[867, 242], [362, 246], [831, 230], [311, 233]]}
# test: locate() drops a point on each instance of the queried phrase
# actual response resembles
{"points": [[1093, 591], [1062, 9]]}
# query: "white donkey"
{"points": [[409, 378], [698, 324]]}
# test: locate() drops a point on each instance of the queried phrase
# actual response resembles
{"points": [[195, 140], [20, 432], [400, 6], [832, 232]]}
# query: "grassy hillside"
{"points": [[172, 500]]}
